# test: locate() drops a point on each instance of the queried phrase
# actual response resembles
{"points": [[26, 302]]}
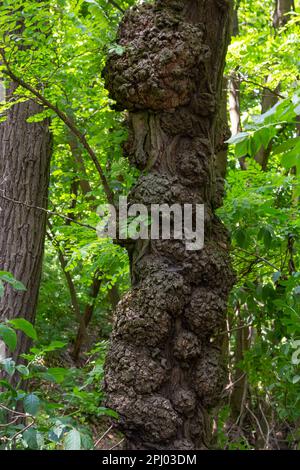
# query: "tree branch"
{"points": [[114, 4], [66, 119], [252, 82], [42, 209]]}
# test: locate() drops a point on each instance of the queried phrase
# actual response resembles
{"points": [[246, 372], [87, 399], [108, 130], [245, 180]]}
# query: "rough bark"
{"points": [[25, 150], [281, 12], [164, 369]]}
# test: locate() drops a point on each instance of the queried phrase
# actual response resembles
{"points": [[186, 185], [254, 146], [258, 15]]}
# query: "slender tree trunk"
{"points": [[240, 388], [25, 151], [281, 12], [269, 99], [164, 369], [80, 167], [235, 111], [234, 85], [87, 315], [234, 104]]}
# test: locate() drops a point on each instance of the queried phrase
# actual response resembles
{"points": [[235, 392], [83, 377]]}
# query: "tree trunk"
{"points": [[25, 152], [240, 387], [234, 85], [281, 12], [164, 369], [87, 315], [269, 99]]}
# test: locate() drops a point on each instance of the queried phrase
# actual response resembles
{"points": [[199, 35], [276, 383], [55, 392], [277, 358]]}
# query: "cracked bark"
{"points": [[165, 370]]}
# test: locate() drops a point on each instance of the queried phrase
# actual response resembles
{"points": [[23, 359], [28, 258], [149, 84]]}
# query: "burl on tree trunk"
{"points": [[165, 370]]}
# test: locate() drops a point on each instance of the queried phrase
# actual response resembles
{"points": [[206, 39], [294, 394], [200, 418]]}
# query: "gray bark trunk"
{"points": [[25, 150]]}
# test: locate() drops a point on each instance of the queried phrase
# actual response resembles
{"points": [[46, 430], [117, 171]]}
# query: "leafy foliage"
{"points": [[59, 48]]}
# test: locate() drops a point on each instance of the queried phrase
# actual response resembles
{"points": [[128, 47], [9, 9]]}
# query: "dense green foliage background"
{"points": [[67, 42]]}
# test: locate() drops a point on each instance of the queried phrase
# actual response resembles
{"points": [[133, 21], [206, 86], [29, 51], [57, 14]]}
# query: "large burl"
{"points": [[165, 369]]}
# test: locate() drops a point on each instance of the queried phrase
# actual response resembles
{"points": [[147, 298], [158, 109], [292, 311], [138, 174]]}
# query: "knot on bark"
{"points": [[151, 419], [205, 314], [130, 371], [158, 66], [184, 401], [186, 346], [210, 377]]}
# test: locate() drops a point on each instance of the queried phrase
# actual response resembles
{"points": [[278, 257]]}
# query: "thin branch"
{"points": [[252, 82], [230, 385], [103, 436], [42, 209], [114, 4], [19, 413], [24, 429], [68, 122], [247, 325], [260, 258], [11, 422], [258, 424], [117, 445]]}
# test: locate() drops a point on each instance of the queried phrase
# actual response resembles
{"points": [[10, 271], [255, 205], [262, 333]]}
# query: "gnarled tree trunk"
{"points": [[165, 370]]}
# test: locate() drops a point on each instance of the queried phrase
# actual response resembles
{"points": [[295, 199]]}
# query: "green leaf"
{"points": [[25, 326], [86, 441], [255, 146], [288, 145], [242, 238], [6, 384], [241, 148], [117, 49], [240, 137], [72, 440], [8, 277], [8, 365], [54, 345], [23, 370], [31, 404], [276, 276], [9, 337], [33, 439], [55, 374], [292, 158], [265, 233], [29, 436], [107, 412], [265, 135]]}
